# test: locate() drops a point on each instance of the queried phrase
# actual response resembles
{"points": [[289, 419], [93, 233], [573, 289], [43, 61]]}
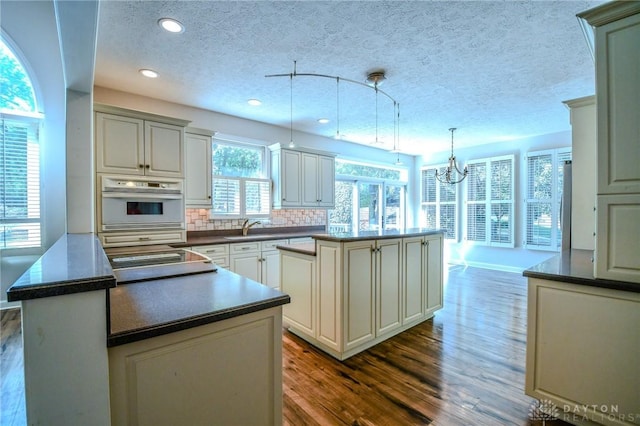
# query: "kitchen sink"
{"points": [[245, 237]]}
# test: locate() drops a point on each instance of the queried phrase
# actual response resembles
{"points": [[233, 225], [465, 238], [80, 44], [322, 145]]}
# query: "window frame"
{"points": [[34, 120], [241, 212], [355, 180], [429, 171], [488, 202], [558, 156]]}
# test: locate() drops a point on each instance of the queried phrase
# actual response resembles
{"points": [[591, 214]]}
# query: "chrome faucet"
{"points": [[246, 225]]}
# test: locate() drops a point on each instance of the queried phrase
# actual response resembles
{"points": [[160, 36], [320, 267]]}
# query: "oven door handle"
{"points": [[140, 195]]}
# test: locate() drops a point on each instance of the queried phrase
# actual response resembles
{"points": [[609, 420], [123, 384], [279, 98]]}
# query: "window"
{"points": [[368, 197], [439, 203], [490, 201], [20, 221], [239, 187], [544, 192]]}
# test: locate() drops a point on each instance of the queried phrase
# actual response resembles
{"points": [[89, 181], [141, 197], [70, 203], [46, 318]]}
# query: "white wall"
{"points": [[31, 26], [518, 258]]}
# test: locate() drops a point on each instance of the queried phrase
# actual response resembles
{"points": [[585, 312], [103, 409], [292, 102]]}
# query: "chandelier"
{"points": [[452, 174], [373, 81]]}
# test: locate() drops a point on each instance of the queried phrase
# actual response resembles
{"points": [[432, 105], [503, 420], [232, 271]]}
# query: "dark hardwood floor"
{"points": [[463, 367]]}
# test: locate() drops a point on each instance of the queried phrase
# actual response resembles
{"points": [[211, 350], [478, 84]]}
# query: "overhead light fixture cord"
{"points": [[337, 107], [452, 174], [291, 144]]}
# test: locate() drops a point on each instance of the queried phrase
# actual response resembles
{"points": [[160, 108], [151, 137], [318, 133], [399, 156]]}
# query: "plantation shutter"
{"points": [[226, 196], [539, 199], [257, 197], [20, 221], [476, 206], [439, 203], [502, 201]]}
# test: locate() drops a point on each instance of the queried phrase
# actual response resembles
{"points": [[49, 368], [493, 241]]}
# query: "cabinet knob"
{"points": [[140, 166], [146, 166]]}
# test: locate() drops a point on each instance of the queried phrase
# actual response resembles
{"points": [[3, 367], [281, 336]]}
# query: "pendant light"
{"points": [[452, 174]]}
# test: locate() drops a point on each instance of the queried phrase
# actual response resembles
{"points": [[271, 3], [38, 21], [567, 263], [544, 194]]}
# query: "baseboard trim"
{"points": [[483, 265], [9, 305]]}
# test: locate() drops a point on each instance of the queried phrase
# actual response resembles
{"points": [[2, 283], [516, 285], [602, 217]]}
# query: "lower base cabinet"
{"points": [[353, 295], [583, 347], [225, 373]]}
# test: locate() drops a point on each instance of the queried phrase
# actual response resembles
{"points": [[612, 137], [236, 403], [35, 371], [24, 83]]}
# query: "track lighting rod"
{"points": [[333, 77]]}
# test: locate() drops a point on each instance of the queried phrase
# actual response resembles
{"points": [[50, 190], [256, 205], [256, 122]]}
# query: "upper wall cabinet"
{"points": [[135, 143], [302, 178], [198, 168]]}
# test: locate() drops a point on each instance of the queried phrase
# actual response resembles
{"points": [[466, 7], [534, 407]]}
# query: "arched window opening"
{"points": [[20, 218]]}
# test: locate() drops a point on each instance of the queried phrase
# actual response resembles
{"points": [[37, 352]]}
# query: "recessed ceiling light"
{"points": [[323, 120], [254, 102], [149, 73], [171, 25]]}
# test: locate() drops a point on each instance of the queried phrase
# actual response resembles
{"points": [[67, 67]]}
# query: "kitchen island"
{"points": [[583, 343], [350, 291], [182, 350]]}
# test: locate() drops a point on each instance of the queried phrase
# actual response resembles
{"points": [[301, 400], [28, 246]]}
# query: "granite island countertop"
{"points": [[341, 237], [199, 238], [576, 267], [76, 263], [376, 235], [152, 308]]}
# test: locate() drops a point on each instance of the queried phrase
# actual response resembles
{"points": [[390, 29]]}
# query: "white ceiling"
{"points": [[496, 70]]}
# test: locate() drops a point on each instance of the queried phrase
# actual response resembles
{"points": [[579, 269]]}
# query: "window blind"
{"points": [[490, 201], [20, 221], [439, 203], [544, 192], [241, 197]]}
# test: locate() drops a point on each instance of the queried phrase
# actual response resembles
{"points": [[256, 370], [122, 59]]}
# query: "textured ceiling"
{"points": [[495, 70]]}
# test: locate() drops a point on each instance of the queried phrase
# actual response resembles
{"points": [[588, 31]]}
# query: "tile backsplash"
{"points": [[198, 219]]}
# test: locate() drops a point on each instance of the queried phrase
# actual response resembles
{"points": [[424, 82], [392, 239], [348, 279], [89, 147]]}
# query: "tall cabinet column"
{"points": [[617, 31]]}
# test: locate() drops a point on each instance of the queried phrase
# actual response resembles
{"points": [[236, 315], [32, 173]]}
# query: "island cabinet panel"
{"points": [[300, 284], [583, 347], [433, 264], [227, 372], [368, 290], [329, 296], [388, 284], [359, 292], [414, 295]]}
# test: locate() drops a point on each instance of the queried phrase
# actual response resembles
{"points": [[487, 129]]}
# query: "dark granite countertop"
{"points": [[200, 238], [142, 310], [303, 248], [75, 263], [576, 267], [376, 235]]}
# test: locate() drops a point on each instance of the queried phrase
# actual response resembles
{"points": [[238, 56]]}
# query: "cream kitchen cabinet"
{"points": [[257, 260], [358, 293], [198, 168], [218, 253], [134, 143], [300, 284], [302, 178], [422, 277], [373, 281], [318, 180], [617, 31]]}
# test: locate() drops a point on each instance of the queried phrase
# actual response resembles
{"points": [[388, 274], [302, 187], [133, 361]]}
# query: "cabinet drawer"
{"points": [[244, 247], [301, 240], [271, 244], [213, 250], [117, 239]]}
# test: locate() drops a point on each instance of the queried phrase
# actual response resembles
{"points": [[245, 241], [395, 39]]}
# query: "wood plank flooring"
{"points": [[463, 367]]}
